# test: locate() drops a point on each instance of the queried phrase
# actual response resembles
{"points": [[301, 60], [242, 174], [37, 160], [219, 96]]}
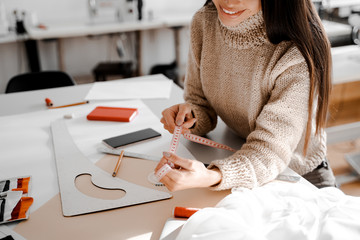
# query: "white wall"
{"points": [[83, 53]]}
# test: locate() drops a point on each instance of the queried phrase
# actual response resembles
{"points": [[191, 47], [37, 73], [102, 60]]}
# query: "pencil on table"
{"points": [[69, 105], [118, 163]]}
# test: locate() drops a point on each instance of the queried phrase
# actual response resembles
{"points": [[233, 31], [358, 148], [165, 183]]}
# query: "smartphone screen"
{"points": [[132, 137]]}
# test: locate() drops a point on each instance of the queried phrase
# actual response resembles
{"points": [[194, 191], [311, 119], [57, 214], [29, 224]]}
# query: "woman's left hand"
{"points": [[187, 173]]}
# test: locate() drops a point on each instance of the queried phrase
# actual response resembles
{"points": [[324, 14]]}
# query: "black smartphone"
{"points": [[132, 137]]}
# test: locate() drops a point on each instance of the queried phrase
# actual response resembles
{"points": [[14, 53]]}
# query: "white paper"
{"points": [[146, 87], [88, 135]]}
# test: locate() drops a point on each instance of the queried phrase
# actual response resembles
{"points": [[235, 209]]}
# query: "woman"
{"points": [[263, 67]]}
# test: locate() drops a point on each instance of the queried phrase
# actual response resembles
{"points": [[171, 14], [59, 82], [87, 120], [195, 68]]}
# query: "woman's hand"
{"points": [[178, 115], [187, 173]]}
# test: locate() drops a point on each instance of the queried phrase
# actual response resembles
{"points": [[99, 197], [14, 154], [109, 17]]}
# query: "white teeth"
{"points": [[228, 12]]}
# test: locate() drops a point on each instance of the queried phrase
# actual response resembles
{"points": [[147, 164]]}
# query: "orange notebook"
{"points": [[117, 114]]}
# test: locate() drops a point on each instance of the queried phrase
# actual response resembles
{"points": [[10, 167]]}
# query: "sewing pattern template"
{"points": [[71, 163]]}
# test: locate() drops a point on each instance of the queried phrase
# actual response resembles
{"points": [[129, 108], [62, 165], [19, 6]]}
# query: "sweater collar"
{"points": [[249, 33]]}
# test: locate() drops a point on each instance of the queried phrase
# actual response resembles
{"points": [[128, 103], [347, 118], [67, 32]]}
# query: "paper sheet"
{"points": [[147, 87]]}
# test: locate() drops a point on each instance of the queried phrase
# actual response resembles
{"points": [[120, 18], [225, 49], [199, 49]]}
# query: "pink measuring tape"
{"points": [[194, 138], [207, 142], [173, 146]]}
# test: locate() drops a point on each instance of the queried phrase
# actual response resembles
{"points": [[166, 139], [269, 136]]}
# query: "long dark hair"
{"points": [[298, 21]]}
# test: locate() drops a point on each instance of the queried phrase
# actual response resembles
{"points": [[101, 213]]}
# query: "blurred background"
{"points": [[97, 40], [76, 35]]}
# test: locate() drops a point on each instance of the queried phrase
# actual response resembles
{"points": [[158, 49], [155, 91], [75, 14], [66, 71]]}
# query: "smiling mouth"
{"points": [[232, 13]]}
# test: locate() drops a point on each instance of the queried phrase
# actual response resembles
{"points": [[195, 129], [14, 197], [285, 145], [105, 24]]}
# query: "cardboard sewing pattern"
{"points": [[144, 221], [71, 163]]}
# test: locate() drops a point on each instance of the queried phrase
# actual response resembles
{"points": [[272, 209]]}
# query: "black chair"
{"points": [[105, 69], [39, 80], [169, 70]]}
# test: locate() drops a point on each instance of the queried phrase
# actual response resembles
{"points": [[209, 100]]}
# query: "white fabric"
{"points": [[278, 210]]}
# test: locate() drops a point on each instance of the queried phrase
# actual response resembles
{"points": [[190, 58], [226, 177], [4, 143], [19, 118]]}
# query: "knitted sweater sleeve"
{"points": [[193, 94], [278, 131]]}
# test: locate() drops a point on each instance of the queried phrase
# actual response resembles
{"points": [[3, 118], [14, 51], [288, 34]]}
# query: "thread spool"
{"points": [[48, 102], [184, 212]]}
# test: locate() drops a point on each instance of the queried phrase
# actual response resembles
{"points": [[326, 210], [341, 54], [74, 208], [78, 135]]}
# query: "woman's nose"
{"points": [[232, 2]]}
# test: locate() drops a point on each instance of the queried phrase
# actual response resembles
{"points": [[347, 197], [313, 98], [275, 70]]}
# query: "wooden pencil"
{"points": [[69, 105], [118, 163]]}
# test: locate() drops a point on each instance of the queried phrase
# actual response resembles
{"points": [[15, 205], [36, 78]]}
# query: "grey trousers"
{"points": [[322, 176]]}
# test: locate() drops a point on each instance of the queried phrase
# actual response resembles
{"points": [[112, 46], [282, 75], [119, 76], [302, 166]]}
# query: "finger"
{"points": [[181, 162], [170, 183], [166, 127], [167, 182], [162, 120], [166, 155], [169, 120], [188, 124], [161, 163], [182, 114], [189, 116], [185, 130]]}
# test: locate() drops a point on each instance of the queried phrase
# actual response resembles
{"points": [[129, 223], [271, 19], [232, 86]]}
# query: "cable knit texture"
{"points": [[258, 89]]}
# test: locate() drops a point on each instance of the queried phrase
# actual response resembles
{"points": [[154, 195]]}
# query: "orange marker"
{"points": [[184, 212], [48, 102], [69, 105]]}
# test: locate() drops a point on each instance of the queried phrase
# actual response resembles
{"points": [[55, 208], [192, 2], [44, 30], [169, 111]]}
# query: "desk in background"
{"points": [[72, 30], [80, 29], [12, 37], [346, 64]]}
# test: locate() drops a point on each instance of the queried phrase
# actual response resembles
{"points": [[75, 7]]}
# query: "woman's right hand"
{"points": [[178, 115]]}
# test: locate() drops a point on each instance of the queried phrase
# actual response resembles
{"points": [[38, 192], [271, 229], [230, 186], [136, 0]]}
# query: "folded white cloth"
{"points": [[278, 210]]}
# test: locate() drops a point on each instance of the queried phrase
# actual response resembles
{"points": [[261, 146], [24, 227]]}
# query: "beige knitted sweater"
{"points": [[260, 90]]}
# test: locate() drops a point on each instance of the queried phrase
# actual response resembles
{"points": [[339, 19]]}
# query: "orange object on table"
{"points": [[118, 114], [184, 212], [48, 102]]}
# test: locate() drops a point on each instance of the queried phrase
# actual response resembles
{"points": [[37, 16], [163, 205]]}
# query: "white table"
{"points": [[346, 64], [12, 37], [78, 29], [33, 101]]}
